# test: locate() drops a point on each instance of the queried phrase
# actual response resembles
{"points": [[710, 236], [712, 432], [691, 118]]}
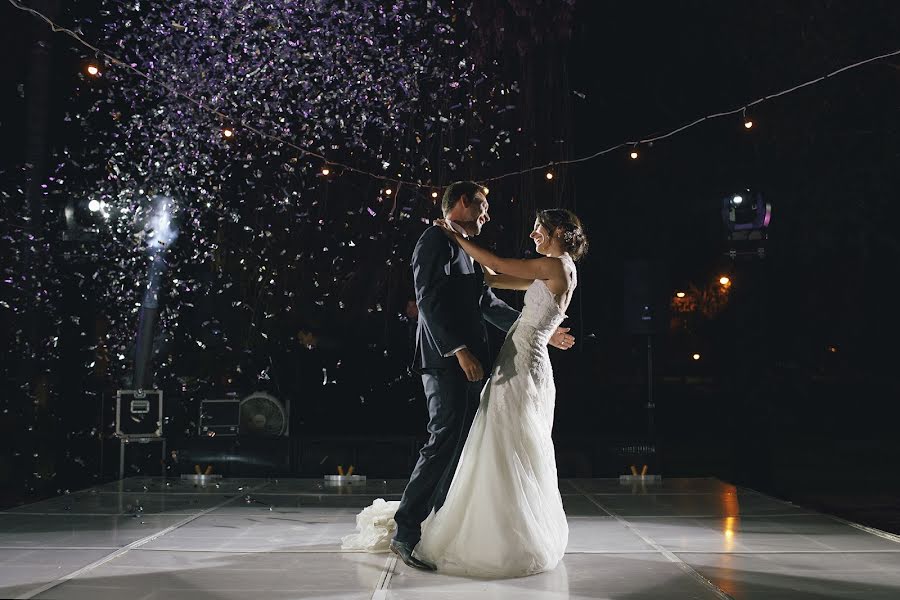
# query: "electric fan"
{"points": [[263, 415]]}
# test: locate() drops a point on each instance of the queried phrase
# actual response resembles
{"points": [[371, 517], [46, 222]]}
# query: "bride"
{"points": [[503, 515]]}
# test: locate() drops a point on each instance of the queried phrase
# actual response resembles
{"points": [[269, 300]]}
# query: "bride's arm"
{"points": [[522, 268], [505, 282]]}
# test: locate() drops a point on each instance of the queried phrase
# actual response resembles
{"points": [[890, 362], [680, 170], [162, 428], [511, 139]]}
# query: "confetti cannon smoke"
{"points": [[161, 232]]}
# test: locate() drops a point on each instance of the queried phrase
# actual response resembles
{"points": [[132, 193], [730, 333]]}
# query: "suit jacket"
{"points": [[453, 304]]}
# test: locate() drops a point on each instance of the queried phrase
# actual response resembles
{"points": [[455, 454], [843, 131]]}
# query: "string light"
{"points": [[724, 280], [633, 154], [389, 191], [93, 70], [695, 356], [434, 194], [326, 171], [549, 175], [748, 122], [228, 132], [679, 294]]}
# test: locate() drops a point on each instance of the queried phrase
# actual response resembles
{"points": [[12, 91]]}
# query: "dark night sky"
{"points": [[825, 157]]}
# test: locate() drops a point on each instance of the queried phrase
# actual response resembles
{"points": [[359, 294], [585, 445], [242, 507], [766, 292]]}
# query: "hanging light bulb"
{"points": [[485, 190], [434, 194], [326, 171], [634, 153], [228, 132], [549, 175], [389, 191], [748, 122], [93, 70]]}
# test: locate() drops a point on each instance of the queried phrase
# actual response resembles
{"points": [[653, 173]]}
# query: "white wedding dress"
{"points": [[503, 516]]}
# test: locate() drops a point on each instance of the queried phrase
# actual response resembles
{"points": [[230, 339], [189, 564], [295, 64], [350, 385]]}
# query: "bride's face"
{"points": [[543, 241]]}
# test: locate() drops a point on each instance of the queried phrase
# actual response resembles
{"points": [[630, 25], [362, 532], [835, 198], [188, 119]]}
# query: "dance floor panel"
{"points": [[154, 538]]}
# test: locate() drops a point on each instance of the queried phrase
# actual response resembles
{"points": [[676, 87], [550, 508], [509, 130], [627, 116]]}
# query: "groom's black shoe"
{"points": [[405, 552]]}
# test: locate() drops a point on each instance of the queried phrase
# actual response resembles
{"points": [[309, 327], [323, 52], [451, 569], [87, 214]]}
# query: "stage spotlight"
{"points": [[94, 206], [695, 356], [746, 211]]}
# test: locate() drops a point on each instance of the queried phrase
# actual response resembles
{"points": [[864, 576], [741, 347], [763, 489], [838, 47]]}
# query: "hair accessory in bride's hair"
{"points": [[571, 236]]}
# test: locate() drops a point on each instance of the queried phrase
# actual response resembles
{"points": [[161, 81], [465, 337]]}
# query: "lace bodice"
{"points": [[543, 310]]}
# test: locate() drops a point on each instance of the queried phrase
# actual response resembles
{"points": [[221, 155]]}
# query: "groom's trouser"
{"points": [[452, 402]]}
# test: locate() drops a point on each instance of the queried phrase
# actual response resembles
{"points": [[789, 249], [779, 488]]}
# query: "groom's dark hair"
{"points": [[454, 191]]}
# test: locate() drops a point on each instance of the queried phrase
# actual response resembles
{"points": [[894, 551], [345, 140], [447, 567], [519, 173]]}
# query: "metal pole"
{"points": [[650, 405], [122, 442]]}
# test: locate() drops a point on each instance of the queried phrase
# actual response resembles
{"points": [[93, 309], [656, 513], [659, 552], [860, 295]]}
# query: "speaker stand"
{"points": [[650, 405]]}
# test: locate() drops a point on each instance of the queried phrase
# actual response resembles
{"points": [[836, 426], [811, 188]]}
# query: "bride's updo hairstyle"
{"points": [[565, 225]]}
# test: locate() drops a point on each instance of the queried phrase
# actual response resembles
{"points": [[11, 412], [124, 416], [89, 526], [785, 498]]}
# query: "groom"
{"points": [[451, 355]]}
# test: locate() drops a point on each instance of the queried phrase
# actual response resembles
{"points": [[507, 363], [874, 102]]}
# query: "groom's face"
{"points": [[476, 214]]}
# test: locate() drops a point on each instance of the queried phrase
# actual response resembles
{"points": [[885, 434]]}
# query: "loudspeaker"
{"points": [[646, 298]]}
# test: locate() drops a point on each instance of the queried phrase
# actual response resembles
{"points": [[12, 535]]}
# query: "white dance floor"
{"points": [[149, 538]]}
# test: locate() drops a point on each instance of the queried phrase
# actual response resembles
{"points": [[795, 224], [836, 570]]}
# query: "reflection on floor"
{"points": [[153, 538]]}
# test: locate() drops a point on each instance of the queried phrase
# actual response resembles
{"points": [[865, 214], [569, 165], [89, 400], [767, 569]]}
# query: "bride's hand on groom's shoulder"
{"points": [[445, 226]]}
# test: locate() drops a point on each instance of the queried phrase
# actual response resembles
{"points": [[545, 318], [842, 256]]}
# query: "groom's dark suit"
{"points": [[453, 304]]}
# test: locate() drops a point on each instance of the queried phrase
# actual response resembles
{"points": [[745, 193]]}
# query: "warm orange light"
{"points": [[93, 70], [326, 171], [434, 194], [748, 124], [832, 349], [634, 154], [549, 175], [729, 527], [724, 280], [389, 191], [695, 356], [486, 190], [680, 294], [228, 133]]}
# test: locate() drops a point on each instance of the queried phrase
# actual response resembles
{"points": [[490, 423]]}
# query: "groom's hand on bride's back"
{"points": [[470, 365]]}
